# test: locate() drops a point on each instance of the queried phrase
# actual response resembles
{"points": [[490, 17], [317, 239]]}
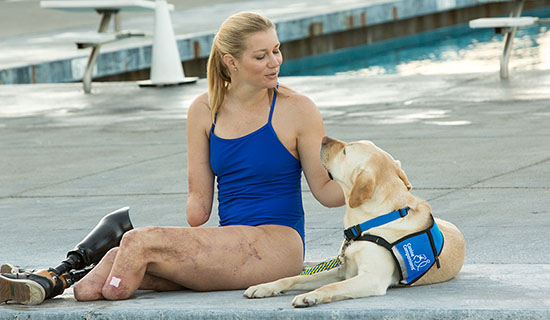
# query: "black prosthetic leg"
{"points": [[105, 236], [30, 287], [73, 276]]}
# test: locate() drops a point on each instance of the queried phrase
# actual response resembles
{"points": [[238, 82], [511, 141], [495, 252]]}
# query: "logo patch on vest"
{"points": [[416, 261], [417, 253]]}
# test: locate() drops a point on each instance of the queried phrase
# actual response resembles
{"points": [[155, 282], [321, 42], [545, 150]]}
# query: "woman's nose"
{"points": [[273, 61]]}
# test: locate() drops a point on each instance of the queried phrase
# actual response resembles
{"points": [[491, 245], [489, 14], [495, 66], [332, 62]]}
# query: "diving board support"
{"points": [[87, 77], [517, 7], [166, 68], [508, 26]]}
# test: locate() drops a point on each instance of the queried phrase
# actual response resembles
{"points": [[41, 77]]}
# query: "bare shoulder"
{"points": [[198, 115], [200, 104], [199, 108], [298, 106], [297, 102]]}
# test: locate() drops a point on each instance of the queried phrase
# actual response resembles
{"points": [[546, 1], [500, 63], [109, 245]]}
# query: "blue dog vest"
{"points": [[415, 254]]}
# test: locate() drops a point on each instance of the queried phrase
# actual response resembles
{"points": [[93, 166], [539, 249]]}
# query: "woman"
{"points": [[256, 136]]}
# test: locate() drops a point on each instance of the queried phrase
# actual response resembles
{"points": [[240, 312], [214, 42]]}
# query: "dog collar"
{"points": [[354, 232]]}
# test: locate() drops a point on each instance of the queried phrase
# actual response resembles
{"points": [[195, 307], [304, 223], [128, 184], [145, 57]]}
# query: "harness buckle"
{"points": [[352, 233]]}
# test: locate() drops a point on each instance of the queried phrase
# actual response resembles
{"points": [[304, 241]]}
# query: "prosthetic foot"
{"points": [[34, 288], [30, 288]]}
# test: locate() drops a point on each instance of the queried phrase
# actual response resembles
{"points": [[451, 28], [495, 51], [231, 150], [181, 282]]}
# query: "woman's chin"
{"points": [[272, 83]]}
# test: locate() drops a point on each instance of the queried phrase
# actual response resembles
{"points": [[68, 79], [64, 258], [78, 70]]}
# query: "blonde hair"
{"points": [[230, 39]]}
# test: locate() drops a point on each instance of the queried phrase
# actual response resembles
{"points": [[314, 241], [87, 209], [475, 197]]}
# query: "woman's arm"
{"points": [[199, 173], [309, 135]]}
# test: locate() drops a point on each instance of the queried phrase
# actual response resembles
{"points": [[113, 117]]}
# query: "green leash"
{"points": [[323, 266]]}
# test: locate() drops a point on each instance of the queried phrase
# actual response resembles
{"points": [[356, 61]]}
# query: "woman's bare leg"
{"points": [[89, 288], [202, 259], [151, 282]]}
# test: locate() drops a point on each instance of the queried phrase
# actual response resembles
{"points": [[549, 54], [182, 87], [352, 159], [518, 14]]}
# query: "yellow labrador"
{"points": [[381, 254]]}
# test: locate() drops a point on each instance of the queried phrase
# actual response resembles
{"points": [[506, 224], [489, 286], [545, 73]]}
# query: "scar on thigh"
{"points": [[253, 253]]}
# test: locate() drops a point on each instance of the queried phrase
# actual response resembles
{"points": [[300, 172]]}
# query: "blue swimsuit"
{"points": [[259, 180]]}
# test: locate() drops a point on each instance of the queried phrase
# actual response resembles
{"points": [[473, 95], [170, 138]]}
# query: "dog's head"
{"points": [[362, 169]]}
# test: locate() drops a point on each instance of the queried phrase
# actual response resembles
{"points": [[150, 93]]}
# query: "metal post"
{"points": [[116, 22], [87, 78], [517, 7]]}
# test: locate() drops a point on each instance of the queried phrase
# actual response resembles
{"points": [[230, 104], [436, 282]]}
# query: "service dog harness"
{"points": [[415, 253]]}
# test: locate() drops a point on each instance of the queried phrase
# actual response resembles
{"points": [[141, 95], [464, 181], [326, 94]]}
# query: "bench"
{"points": [[508, 27], [109, 10]]}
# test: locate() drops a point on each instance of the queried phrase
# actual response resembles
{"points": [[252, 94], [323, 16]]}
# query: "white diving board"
{"points": [[100, 5], [503, 22], [508, 26], [107, 9]]}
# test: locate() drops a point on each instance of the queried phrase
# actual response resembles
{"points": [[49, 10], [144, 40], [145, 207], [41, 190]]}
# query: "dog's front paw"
{"points": [[262, 291], [308, 299]]}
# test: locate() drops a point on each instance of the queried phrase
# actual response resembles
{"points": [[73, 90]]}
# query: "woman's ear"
{"points": [[362, 190], [229, 61]]}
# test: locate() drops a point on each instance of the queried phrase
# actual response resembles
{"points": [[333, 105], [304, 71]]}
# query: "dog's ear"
{"points": [[403, 176], [362, 190]]}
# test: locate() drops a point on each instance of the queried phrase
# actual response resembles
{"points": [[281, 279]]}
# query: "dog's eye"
{"points": [[344, 151]]}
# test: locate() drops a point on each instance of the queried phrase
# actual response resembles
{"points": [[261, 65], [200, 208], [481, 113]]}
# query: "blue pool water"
{"points": [[456, 49]]}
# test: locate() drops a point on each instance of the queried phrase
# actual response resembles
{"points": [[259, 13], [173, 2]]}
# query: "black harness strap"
{"points": [[383, 243], [378, 240], [434, 249]]}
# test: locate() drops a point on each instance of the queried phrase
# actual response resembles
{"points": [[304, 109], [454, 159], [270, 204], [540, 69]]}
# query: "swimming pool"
{"points": [[456, 49]]}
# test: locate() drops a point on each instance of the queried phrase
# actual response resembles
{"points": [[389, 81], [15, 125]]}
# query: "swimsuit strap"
{"points": [[272, 106]]}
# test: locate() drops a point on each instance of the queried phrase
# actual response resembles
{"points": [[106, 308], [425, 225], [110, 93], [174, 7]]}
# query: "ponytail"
{"points": [[218, 80]]}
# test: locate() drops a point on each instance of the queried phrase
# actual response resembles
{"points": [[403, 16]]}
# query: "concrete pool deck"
{"points": [[475, 147]]}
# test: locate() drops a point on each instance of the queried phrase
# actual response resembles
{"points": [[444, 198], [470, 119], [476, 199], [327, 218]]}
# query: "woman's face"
{"points": [[260, 62]]}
